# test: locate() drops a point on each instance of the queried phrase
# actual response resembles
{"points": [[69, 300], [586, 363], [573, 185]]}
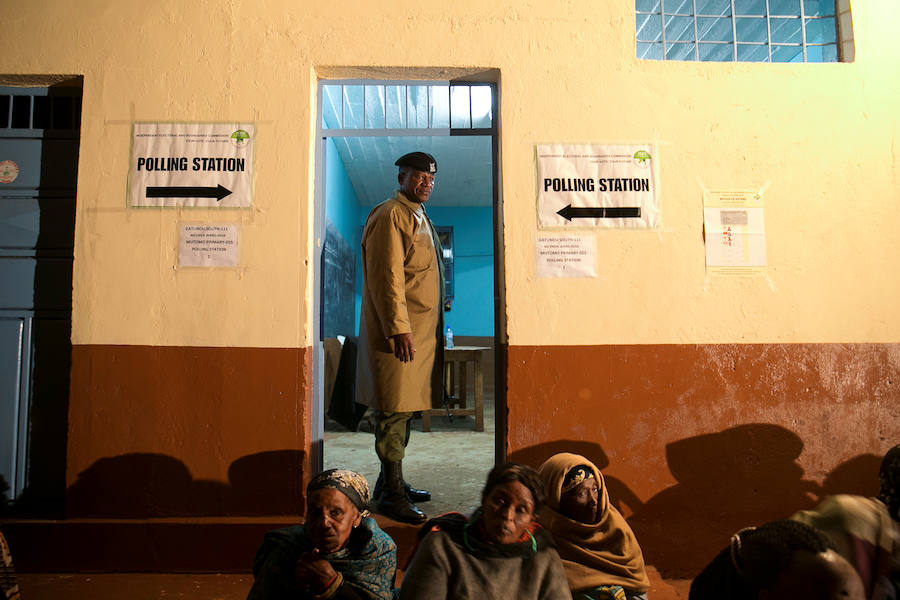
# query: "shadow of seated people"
{"points": [[148, 485], [138, 485], [621, 496], [742, 476], [857, 476], [268, 483]]}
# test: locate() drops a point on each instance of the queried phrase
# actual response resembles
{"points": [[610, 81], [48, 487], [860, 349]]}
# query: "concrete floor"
{"points": [[451, 461]]}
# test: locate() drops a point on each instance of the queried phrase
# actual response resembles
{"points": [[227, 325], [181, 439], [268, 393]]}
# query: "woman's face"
{"points": [[330, 518], [581, 502], [816, 576], [507, 511]]}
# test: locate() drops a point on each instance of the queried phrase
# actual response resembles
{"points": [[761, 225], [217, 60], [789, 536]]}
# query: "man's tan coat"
{"points": [[401, 294]]}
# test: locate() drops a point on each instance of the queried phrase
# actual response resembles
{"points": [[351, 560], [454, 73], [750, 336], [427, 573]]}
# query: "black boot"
{"points": [[393, 502], [412, 494]]}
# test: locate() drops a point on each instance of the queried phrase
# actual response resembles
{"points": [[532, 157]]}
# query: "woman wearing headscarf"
{"points": [[339, 552], [599, 551], [498, 553], [866, 531]]}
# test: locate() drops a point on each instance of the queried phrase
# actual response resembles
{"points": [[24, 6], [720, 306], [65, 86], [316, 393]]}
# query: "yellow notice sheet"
{"points": [[735, 232]]}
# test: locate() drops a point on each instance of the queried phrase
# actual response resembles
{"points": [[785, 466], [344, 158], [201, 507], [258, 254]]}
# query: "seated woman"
{"points": [[599, 551], [782, 560], [866, 531], [338, 553], [499, 552]]}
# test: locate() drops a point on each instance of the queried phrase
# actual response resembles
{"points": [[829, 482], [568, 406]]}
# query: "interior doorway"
{"points": [[364, 126]]}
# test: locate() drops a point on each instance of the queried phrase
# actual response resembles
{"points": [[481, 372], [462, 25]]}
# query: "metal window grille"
{"points": [[39, 111], [370, 106], [737, 30]]}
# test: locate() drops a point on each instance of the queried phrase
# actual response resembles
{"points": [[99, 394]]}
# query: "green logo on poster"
{"points": [[240, 138], [642, 159]]}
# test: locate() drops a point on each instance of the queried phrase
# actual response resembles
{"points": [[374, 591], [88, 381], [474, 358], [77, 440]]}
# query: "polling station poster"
{"points": [[191, 165], [604, 186]]}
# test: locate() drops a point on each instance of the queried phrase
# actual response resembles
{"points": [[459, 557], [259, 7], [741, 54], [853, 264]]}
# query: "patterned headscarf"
{"points": [[350, 483], [889, 476], [575, 477]]}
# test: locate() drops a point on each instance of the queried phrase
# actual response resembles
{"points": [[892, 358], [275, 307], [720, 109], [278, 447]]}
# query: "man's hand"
{"points": [[404, 348], [314, 571]]}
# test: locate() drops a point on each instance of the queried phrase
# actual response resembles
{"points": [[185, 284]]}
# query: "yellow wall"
{"points": [[818, 138]]}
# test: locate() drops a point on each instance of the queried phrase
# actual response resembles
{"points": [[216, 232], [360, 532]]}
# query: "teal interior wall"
{"points": [[341, 204], [473, 303]]}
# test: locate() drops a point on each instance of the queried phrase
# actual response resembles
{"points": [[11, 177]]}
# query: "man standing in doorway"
{"points": [[400, 361]]}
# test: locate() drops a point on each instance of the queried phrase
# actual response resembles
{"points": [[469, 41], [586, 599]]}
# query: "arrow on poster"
{"points": [[217, 192], [599, 212]]}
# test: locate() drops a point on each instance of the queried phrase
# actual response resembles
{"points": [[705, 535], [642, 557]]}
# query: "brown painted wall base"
{"points": [[138, 545], [181, 432], [698, 441]]}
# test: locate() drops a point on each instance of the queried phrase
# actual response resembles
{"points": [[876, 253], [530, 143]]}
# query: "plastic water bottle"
{"points": [[448, 338]]}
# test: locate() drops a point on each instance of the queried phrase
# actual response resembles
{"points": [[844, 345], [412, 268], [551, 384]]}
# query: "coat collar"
{"points": [[413, 206]]}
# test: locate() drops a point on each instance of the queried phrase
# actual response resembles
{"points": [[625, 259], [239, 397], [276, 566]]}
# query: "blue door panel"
{"points": [[40, 134], [44, 224], [11, 337], [35, 159], [41, 284]]}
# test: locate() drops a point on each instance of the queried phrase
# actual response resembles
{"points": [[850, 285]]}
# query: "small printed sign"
{"points": [[208, 245], [566, 256], [191, 165], [734, 225]]}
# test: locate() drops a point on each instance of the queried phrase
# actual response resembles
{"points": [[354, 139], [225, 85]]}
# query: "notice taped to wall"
{"points": [[735, 233], [191, 164], [599, 185], [566, 256], [208, 244]]}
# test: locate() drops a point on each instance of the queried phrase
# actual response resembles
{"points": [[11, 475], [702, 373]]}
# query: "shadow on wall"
{"points": [[147, 485], [745, 475]]}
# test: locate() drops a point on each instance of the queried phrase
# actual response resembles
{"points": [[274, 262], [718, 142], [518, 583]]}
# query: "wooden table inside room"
{"points": [[456, 361]]}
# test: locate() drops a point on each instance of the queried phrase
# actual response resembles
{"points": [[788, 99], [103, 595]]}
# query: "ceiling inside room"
{"points": [[372, 124], [463, 167]]}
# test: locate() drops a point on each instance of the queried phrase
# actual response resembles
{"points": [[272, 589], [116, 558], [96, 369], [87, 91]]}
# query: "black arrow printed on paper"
{"points": [[570, 212], [217, 192]]}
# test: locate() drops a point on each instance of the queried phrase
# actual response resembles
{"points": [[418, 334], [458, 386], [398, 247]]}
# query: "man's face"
{"points": [[415, 185]]}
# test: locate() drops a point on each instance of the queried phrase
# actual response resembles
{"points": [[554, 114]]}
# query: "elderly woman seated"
{"points": [[782, 560], [499, 552], [338, 553], [599, 551]]}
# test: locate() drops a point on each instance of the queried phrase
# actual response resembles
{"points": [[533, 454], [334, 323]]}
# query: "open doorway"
{"points": [[364, 126]]}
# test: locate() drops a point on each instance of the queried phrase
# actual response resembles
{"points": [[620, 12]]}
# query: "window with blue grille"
{"points": [[737, 30]]}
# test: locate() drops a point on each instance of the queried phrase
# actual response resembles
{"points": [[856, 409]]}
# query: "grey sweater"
{"points": [[442, 569]]}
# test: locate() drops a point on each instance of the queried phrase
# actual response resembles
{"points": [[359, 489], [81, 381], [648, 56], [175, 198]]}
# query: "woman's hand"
{"points": [[314, 571]]}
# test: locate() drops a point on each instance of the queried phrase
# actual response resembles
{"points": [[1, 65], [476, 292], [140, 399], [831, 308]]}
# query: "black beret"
{"points": [[418, 160]]}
